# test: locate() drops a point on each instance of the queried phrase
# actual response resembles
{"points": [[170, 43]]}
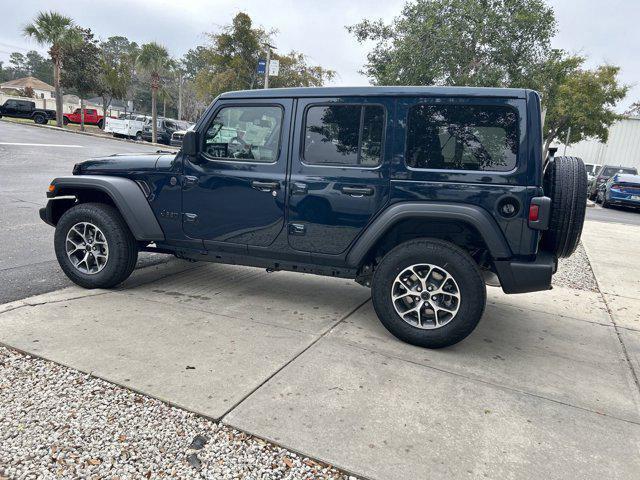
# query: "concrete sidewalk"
{"points": [[545, 387], [614, 252]]}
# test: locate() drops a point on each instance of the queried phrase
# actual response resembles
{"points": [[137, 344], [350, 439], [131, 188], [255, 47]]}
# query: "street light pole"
{"points": [[180, 96], [266, 69]]}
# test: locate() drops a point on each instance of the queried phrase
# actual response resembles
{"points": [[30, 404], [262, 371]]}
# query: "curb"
{"points": [[90, 134]]}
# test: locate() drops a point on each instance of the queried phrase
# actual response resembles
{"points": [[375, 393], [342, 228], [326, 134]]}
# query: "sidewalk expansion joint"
{"points": [[294, 357]]}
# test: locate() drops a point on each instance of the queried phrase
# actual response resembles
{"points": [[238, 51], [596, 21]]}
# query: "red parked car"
{"points": [[91, 117]]}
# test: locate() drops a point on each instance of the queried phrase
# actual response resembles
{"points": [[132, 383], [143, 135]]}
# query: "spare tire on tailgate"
{"points": [[565, 181]]}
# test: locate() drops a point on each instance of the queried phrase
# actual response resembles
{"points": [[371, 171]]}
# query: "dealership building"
{"points": [[622, 147]]}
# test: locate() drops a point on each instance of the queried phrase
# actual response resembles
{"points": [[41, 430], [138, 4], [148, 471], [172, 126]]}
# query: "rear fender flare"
{"points": [[126, 196], [472, 215]]}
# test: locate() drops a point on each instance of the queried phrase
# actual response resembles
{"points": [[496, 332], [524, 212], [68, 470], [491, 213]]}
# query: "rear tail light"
{"points": [[534, 213]]}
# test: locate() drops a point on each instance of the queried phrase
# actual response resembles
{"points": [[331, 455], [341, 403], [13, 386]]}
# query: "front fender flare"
{"points": [[472, 215], [125, 194]]}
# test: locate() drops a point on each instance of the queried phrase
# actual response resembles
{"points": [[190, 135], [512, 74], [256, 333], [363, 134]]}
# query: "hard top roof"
{"points": [[377, 91]]}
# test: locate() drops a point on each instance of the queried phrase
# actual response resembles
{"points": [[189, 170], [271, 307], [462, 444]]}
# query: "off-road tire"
{"points": [[123, 249], [65, 121], [442, 254], [565, 181], [138, 136], [40, 119]]}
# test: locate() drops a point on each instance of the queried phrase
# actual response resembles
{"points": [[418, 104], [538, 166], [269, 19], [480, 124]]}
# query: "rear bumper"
{"points": [[624, 199], [521, 277]]}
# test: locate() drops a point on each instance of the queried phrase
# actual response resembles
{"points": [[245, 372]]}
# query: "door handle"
{"points": [[265, 186], [357, 191]]}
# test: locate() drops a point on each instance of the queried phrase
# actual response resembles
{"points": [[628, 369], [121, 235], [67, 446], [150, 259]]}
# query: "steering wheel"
{"points": [[239, 146]]}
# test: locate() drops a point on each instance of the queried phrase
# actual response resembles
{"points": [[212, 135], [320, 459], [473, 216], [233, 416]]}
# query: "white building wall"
{"points": [[622, 147]]}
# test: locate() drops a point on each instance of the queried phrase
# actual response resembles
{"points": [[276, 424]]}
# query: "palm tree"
{"points": [[54, 29], [154, 59]]}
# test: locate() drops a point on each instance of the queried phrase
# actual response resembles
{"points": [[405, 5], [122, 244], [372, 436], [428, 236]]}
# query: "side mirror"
{"points": [[190, 143]]}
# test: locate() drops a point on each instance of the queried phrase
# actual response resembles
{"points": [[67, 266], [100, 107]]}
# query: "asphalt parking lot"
{"points": [[624, 215], [546, 387], [30, 158]]}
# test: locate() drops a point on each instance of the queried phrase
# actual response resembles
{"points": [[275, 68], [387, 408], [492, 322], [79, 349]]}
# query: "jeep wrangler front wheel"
{"points": [[428, 293], [94, 246]]}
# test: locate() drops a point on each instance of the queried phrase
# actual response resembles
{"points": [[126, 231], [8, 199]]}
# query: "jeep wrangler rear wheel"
{"points": [[94, 246], [428, 293]]}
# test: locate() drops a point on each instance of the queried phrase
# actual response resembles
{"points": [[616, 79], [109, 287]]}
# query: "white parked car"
{"points": [[593, 170], [127, 125]]}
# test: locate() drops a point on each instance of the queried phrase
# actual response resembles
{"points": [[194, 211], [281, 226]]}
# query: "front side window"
{"points": [[462, 137], [250, 133], [344, 135]]}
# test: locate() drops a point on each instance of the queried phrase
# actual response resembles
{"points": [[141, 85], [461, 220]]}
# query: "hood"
{"points": [[124, 163]]}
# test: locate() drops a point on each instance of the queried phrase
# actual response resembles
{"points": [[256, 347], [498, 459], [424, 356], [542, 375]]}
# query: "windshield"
{"points": [[609, 171]]}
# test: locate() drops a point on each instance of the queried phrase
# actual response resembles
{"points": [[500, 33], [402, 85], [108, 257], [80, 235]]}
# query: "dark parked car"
{"points": [[26, 109], [423, 194], [606, 172], [621, 189], [166, 128]]}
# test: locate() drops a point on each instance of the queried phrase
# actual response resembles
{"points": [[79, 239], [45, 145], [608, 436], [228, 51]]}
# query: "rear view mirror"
{"points": [[190, 143]]}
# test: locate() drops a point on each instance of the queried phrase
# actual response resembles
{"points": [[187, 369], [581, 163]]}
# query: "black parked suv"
{"points": [[166, 128], [423, 194]]}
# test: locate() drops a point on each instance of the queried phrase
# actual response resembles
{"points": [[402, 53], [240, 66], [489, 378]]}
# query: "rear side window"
{"points": [[462, 137], [344, 135]]}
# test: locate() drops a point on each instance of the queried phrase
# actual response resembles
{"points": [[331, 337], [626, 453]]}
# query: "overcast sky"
{"points": [[605, 31]]}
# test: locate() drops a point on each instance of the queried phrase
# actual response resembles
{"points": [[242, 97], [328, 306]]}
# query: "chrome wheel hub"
{"points": [[87, 248], [425, 296]]}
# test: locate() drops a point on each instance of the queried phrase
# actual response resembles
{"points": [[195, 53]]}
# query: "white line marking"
{"points": [[41, 145]]}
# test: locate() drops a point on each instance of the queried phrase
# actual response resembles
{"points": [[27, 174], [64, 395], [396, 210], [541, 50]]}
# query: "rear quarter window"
{"points": [[462, 137]]}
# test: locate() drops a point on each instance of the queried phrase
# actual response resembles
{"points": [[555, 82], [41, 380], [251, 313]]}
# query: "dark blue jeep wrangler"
{"points": [[423, 194]]}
